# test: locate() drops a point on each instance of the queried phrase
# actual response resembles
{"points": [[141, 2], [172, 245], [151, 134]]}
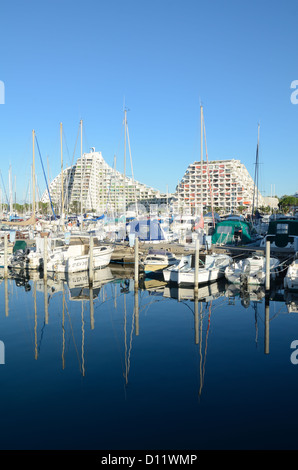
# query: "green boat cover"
{"points": [[227, 231], [19, 245]]}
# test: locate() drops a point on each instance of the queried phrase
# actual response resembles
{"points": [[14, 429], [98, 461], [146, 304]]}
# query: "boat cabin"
{"points": [[282, 234]]}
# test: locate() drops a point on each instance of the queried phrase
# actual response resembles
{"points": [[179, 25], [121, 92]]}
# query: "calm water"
{"points": [[154, 370]]}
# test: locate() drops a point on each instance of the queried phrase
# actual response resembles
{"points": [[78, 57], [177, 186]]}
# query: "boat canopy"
{"points": [[227, 231], [282, 231], [19, 245]]}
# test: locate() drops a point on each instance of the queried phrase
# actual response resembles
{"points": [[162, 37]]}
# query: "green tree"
{"points": [[286, 202]]}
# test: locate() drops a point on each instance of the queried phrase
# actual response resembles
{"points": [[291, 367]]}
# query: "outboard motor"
{"points": [[19, 258]]}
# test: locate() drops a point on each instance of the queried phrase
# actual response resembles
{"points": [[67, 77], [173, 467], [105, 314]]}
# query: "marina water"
{"points": [[119, 368]]}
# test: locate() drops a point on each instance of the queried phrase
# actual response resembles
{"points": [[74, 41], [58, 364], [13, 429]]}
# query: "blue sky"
{"points": [[62, 61]]}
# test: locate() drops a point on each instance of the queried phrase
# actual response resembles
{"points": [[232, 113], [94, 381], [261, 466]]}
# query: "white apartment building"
{"points": [[92, 185], [223, 184]]}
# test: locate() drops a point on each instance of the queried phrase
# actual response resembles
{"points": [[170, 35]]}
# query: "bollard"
{"points": [[136, 307], [46, 309], [45, 257], [6, 295], [196, 311], [197, 260], [91, 267], [91, 307], [267, 287], [136, 263], [266, 345], [5, 255]]}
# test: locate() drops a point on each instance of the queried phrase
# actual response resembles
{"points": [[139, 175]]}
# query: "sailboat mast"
{"points": [[81, 125], [115, 194], [15, 191], [201, 160], [62, 193], [33, 175], [124, 173], [256, 175], [201, 134], [10, 190]]}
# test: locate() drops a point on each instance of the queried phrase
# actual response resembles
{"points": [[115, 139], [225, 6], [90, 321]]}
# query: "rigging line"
{"points": [[71, 328], [210, 186], [117, 341], [45, 177], [25, 199], [200, 349], [119, 142], [64, 140], [41, 336], [133, 180], [71, 166], [4, 187], [130, 342], [206, 342], [256, 174], [85, 137]]}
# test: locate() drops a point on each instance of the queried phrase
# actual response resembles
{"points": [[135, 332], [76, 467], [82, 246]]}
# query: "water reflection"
{"points": [[247, 294], [156, 353], [291, 300], [125, 298]]}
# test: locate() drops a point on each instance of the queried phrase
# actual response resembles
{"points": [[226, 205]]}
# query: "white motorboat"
{"points": [[76, 258], [63, 257], [158, 260], [170, 274], [291, 277], [251, 270], [211, 268]]}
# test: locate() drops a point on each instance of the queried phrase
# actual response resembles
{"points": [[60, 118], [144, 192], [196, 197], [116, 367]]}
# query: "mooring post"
{"points": [[6, 295], [45, 257], [46, 309], [197, 258], [136, 305], [91, 267], [196, 311], [266, 345], [267, 287], [5, 254], [136, 263], [91, 307]]}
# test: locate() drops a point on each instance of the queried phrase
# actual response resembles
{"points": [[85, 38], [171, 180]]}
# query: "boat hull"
{"points": [[251, 271], [291, 277], [101, 259], [204, 276]]}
